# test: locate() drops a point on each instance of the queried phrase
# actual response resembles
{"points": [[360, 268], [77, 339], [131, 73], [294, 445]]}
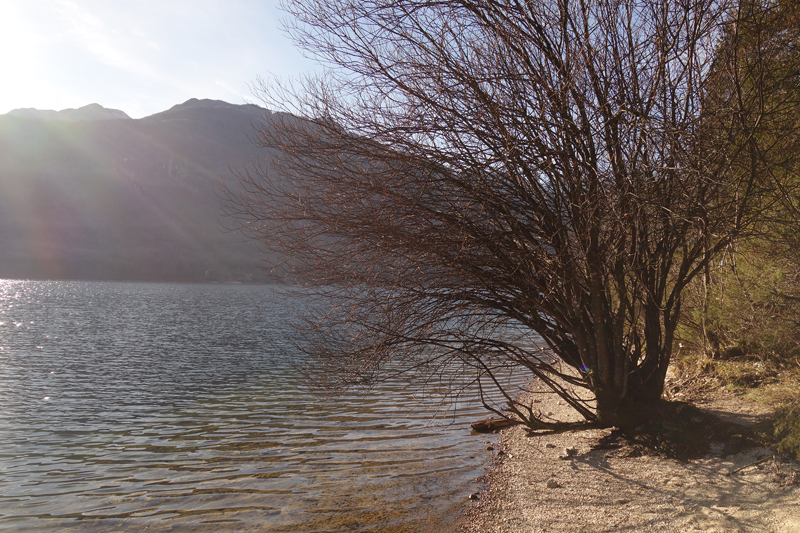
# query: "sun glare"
{"points": [[18, 56]]}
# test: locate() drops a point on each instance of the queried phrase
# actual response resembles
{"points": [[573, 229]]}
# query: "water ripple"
{"points": [[179, 408]]}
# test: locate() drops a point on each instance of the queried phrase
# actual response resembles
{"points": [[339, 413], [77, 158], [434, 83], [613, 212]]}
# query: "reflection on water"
{"points": [[172, 407]]}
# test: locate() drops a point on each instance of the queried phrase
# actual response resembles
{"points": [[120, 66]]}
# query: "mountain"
{"points": [[125, 199], [88, 112]]}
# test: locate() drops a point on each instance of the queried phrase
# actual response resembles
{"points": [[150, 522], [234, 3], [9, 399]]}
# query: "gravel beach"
{"points": [[563, 483]]}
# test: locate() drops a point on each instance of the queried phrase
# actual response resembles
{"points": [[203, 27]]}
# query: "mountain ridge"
{"points": [[82, 114], [132, 199]]}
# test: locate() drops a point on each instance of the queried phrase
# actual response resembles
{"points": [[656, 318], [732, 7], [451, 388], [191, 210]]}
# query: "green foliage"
{"points": [[787, 427], [741, 317], [748, 308]]}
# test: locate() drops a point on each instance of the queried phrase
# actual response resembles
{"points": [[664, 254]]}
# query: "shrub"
{"points": [[787, 427]]}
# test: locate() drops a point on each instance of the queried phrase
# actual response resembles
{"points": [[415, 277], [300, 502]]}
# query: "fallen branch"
{"points": [[493, 424], [754, 463]]}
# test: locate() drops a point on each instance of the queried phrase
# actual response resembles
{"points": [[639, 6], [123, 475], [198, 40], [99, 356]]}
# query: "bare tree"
{"points": [[506, 186]]}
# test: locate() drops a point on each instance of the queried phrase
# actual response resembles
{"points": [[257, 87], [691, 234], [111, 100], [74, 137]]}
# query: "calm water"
{"points": [[177, 407]]}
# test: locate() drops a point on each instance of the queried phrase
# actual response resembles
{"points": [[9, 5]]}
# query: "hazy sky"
{"points": [[140, 56]]}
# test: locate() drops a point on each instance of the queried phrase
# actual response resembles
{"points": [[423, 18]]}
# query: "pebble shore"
{"points": [[559, 483]]}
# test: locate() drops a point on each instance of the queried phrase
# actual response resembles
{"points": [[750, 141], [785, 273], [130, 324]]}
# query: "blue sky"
{"points": [[140, 56]]}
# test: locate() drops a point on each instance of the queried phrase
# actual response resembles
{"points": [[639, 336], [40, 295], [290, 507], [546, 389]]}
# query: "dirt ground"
{"points": [[576, 481]]}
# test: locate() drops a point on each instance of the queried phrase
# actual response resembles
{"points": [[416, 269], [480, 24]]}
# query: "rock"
{"points": [[553, 484], [475, 496], [549, 445], [569, 451], [490, 448]]}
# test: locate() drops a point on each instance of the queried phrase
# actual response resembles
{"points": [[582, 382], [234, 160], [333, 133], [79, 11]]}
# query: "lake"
{"points": [[179, 407]]}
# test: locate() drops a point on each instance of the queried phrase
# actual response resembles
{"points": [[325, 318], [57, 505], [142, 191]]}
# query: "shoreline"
{"points": [[532, 486]]}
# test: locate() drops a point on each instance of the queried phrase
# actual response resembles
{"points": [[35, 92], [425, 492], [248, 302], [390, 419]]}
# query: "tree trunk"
{"points": [[634, 406]]}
